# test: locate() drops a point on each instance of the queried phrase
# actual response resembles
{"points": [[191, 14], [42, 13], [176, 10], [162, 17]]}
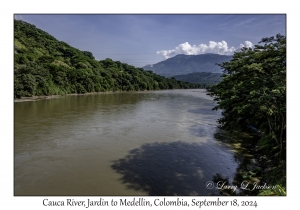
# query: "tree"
{"points": [[253, 91], [89, 54]]}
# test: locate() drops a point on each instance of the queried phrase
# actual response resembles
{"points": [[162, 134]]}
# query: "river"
{"points": [[131, 143]]}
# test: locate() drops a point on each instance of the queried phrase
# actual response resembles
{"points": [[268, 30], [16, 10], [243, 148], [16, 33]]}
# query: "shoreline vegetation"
{"points": [[42, 97], [35, 98], [252, 96]]}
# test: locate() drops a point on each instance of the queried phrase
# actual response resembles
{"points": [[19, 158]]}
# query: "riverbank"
{"points": [[272, 171], [34, 98], [265, 168]]}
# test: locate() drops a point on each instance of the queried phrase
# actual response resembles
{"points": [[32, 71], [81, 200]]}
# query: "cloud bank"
{"points": [[213, 47]]}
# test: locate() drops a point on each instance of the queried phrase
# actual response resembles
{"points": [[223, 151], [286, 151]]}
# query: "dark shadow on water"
{"points": [[164, 169], [182, 168]]}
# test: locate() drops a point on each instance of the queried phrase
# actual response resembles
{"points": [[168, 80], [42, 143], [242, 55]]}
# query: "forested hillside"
{"points": [[205, 78], [45, 66]]}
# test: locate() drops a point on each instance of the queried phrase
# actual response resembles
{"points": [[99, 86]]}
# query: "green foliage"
{"points": [[205, 78], [89, 54], [46, 66], [276, 191], [253, 92], [251, 173]]}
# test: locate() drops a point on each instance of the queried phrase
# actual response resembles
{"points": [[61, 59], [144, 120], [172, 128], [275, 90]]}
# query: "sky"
{"points": [[142, 39]]}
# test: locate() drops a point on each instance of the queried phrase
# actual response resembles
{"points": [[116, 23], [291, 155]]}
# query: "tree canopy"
{"points": [[252, 93], [204, 78]]}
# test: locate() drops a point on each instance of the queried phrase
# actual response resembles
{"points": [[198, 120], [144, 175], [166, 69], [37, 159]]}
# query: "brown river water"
{"points": [[131, 143]]}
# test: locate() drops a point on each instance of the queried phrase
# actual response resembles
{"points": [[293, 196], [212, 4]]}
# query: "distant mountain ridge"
{"points": [[185, 64]]}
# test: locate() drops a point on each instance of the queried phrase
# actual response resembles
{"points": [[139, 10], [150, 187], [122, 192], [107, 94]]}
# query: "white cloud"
{"points": [[212, 47], [247, 44]]}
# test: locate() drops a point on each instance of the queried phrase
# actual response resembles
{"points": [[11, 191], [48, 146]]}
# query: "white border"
{"points": [[8, 8]]}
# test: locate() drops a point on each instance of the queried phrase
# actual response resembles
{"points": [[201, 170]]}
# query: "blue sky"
{"points": [[147, 39]]}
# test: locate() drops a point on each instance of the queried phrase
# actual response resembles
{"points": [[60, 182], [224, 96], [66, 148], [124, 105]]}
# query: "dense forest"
{"points": [[204, 78], [252, 94], [45, 66]]}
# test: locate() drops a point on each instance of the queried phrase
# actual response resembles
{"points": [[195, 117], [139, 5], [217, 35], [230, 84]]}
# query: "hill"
{"points": [[185, 64], [205, 78], [45, 66]]}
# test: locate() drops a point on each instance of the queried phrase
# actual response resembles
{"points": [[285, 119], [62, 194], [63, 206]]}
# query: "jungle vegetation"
{"points": [[252, 94], [45, 66], [204, 78]]}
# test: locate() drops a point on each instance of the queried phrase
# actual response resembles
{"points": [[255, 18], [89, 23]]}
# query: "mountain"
{"points": [[45, 66], [205, 78], [185, 64]]}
